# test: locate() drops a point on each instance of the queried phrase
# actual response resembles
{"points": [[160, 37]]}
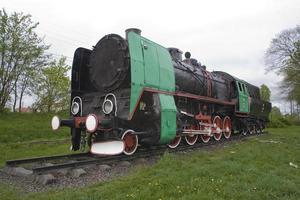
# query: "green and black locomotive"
{"points": [[131, 91]]}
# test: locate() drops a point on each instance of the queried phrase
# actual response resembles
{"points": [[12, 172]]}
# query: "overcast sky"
{"points": [[229, 35]]}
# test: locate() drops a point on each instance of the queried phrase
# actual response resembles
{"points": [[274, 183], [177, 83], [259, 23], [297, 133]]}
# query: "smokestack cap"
{"points": [[135, 30]]}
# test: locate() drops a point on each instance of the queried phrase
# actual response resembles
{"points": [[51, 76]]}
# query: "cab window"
{"points": [[240, 87], [244, 90]]}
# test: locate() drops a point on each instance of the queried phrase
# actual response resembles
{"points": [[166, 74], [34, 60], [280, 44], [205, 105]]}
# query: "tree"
{"points": [[284, 51], [291, 87], [22, 51], [276, 119], [276, 112], [265, 92], [53, 87], [283, 57]]}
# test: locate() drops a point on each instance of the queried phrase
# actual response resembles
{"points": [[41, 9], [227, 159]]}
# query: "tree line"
{"points": [[27, 69]]}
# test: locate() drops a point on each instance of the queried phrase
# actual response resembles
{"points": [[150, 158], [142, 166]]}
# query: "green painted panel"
{"points": [[166, 74], [137, 68], [243, 96], [167, 118], [151, 66], [135, 93]]}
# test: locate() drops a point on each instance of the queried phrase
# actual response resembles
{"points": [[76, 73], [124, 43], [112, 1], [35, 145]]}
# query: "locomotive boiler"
{"points": [[131, 91]]}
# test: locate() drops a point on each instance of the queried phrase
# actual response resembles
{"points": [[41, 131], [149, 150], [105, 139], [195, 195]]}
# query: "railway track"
{"points": [[38, 164]]}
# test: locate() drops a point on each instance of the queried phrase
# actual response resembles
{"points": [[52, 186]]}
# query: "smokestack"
{"points": [[135, 30]]}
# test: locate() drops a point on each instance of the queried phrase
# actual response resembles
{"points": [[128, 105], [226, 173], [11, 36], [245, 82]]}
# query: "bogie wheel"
{"points": [[227, 127], [244, 131], [262, 128], [252, 129], [258, 129], [218, 129], [130, 142], [175, 142], [255, 129]]}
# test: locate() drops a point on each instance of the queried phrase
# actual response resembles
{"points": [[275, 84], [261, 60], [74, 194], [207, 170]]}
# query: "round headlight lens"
{"points": [[55, 123], [75, 108], [108, 106], [91, 123]]}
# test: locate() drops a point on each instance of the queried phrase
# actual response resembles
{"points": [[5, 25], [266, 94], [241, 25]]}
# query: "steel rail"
{"points": [[99, 160], [44, 159], [142, 153]]}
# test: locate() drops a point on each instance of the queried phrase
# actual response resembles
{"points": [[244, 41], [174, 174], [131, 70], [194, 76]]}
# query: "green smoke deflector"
{"points": [[151, 66]]}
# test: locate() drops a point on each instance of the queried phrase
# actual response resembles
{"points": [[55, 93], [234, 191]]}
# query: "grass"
{"points": [[20, 127], [26, 135], [254, 169], [17, 151]]}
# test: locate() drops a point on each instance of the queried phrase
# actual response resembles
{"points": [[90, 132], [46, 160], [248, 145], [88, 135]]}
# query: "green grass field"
{"points": [[24, 135], [257, 168], [20, 127]]}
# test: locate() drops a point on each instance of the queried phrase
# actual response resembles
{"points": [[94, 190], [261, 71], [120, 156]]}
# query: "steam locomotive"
{"points": [[131, 91]]}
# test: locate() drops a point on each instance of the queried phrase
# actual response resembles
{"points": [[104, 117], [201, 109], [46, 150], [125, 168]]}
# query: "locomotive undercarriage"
{"points": [[249, 125]]}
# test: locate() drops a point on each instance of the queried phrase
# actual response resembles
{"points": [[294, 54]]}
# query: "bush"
{"points": [[293, 119], [278, 123], [277, 120], [286, 121]]}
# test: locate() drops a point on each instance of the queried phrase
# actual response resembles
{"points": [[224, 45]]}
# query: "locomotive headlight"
{"points": [[107, 106], [91, 123], [55, 123], [75, 108]]}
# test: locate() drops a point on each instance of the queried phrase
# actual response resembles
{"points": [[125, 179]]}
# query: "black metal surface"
{"points": [[192, 79], [80, 80], [109, 63]]}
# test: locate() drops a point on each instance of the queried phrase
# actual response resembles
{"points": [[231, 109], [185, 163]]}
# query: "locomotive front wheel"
{"points": [[130, 142], [227, 127], [175, 142], [218, 129]]}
